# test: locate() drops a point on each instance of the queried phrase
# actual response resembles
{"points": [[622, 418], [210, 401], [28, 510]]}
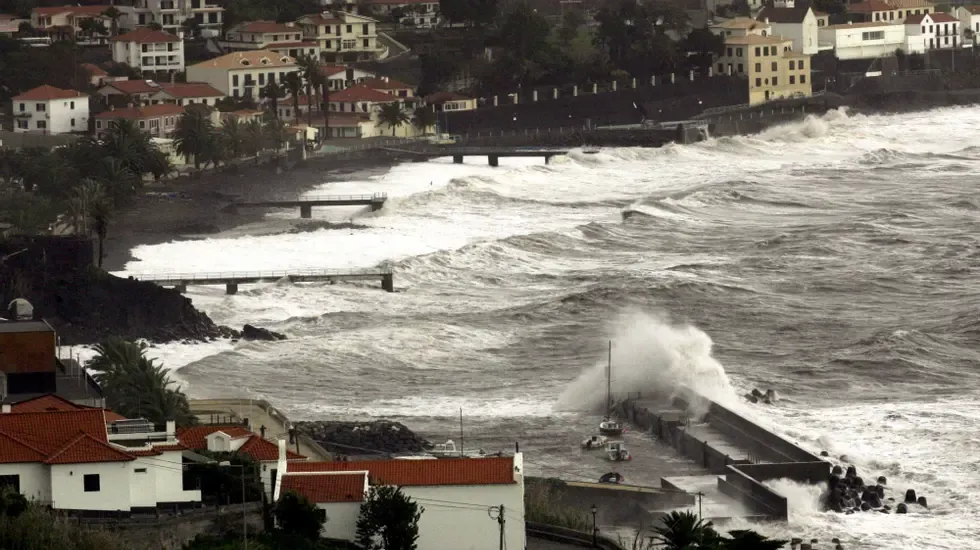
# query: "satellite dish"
{"points": [[20, 309]]}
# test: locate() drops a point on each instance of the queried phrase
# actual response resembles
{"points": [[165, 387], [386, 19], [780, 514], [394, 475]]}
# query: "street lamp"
{"points": [[226, 464], [595, 530]]}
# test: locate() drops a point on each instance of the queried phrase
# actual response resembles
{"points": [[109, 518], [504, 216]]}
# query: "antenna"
{"points": [[609, 380], [461, 431]]}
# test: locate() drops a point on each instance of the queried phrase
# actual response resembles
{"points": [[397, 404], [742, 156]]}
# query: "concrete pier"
{"points": [[493, 154], [306, 203], [232, 279]]}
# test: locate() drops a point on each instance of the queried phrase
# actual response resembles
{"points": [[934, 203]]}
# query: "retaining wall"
{"points": [[753, 493], [615, 504], [569, 536]]}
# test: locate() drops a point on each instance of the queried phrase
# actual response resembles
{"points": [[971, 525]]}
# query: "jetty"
{"points": [[306, 202], [232, 279], [493, 154]]}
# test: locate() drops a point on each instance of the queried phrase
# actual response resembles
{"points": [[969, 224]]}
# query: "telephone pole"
{"points": [[500, 521]]}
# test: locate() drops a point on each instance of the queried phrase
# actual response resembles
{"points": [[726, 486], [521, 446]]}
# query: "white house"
{"points": [[258, 35], [173, 15], [450, 101], [237, 439], [797, 23], [67, 22], [343, 37], [243, 74], [870, 40], [149, 51], [741, 26], [187, 93], [340, 77], [157, 120], [938, 30], [66, 458], [458, 495], [50, 110], [414, 13], [969, 17]]}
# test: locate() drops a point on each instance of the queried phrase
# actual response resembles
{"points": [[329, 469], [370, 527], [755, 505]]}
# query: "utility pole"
{"points": [[500, 521]]}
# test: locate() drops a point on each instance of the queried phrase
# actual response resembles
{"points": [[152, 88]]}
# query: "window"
{"points": [[775, 81], [740, 69], [140, 470], [792, 65], [873, 35], [792, 79], [142, 125], [22, 124], [758, 67], [728, 53], [42, 125], [23, 106], [349, 44], [775, 66], [72, 123], [350, 29], [72, 105], [799, 64], [738, 52], [367, 42], [40, 107], [98, 124], [758, 51], [721, 68], [91, 483], [802, 79], [10, 481], [364, 29], [261, 79], [758, 82], [234, 80]]}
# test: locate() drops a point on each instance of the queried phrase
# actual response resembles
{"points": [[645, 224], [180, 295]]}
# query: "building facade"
{"points": [[969, 18], [798, 23], [175, 15], [187, 93], [938, 30], [69, 22], [770, 66], [741, 26], [156, 120], [149, 51], [50, 110], [259, 35], [243, 74], [343, 37], [411, 13], [871, 40]]}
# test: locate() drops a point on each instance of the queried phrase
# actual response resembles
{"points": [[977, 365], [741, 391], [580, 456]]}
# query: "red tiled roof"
{"points": [[385, 84], [261, 449], [144, 452], [145, 35], [318, 488], [146, 111], [80, 10], [191, 89], [84, 448], [346, 120], [362, 93], [446, 471], [975, 10], [134, 86], [869, 6], [178, 446], [50, 431], [13, 450], [321, 19], [276, 45], [51, 402], [439, 98], [330, 70], [266, 27], [47, 93], [255, 447], [940, 17], [94, 70]]}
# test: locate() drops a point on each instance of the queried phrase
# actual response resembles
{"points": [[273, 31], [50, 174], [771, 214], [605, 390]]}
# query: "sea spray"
{"points": [[652, 356]]}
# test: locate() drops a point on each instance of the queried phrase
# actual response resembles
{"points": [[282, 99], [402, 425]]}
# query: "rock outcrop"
{"points": [[379, 437], [250, 332]]}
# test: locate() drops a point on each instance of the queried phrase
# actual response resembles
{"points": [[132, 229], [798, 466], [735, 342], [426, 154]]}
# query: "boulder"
{"points": [[922, 502], [882, 480], [251, 332], [902, 508], [379, 437], [910, 496]]}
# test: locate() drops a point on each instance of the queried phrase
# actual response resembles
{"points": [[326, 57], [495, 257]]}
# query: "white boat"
{"points": [[449, 450], [617, 452], [594, 442], [610, 427]]}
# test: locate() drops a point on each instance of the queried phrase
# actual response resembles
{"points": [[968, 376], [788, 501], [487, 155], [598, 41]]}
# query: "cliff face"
{"points": [[86, 304]]}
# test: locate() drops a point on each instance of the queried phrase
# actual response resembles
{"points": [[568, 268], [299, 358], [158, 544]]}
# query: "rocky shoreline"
{"points": [[378, 438]]}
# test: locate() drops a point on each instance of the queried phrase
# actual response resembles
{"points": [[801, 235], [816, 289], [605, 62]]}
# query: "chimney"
{"points": [[767, 20], [6, 408], [282, 450], [171, 429]]}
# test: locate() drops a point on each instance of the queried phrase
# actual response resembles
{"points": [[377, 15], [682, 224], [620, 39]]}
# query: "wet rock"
{"points": [[843, 458], [837, 471], [751, 398], [835, 540], [757, 394], [824, 453], [251, 332], [901, 508], [910, 496], [851, 472], [882, 480], [865, 506], [364, 438], [858, 482], [922, 502], [880, 491]]}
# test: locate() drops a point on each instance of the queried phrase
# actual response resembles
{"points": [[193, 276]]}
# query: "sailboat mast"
{"points": [[609, 380]]}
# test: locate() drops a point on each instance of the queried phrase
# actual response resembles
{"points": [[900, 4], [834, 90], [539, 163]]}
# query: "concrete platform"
{"points": [[718, 440], [714, 504]]}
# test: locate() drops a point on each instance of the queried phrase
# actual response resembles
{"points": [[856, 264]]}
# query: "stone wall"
{"points": [[753, 494], [616, 504]]}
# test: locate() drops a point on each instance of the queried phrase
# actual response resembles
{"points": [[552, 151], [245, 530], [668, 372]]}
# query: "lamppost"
{"points": [[226, 464], [595, 530]]}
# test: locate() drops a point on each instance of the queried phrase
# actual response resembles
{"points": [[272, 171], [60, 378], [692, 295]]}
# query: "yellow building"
{"points": [[769, 64]]}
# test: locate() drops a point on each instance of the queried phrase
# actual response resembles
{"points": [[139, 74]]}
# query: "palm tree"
{"points": [[160, 165], [194, 137], [310, 71], [273, 92], [424, 117], [113, 14], [117, 179], [325, 103], [393, 115], [85, 196], [294, 83], [126, 142], [233, 137], [255, 138], [136, 386], [683, 530], [275, 134], [750, 540]]}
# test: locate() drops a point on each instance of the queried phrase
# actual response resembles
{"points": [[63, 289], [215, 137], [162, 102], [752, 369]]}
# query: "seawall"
{"points": [[740, 452]]}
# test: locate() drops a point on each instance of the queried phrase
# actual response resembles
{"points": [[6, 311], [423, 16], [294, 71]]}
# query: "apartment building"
{"points": [[50, 110], [149, 51], [770, 66], [258, 35], [243, 74], [67, 22], [173, 14], [343, 37], [157, 120]]}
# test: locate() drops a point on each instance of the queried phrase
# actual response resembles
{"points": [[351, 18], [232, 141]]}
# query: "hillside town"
{"points": [[339, 72]]}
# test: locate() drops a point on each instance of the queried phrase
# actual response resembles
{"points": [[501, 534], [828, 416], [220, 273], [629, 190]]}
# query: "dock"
{"points": [[306, 202], [232, 279], [493, 154]]}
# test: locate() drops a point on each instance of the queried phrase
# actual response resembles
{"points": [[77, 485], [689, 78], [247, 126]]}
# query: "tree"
{"points": [[159, 165], [130, 145], [192, 27], [275, 134], [702, 46], [684, 531], [310, 71], [424, 117], [389, 520], [635, 35], [294, 83], [136, 386], [194, 137], [90, 210], [393, 115], [750, 540], [297, 516], [255, 138], [273, 92], [233, 137], [113, 14], [571, 22], [155, 26]]}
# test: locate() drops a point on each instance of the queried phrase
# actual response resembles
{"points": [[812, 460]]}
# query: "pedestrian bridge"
{"points": [[306, 202], [232, 279], [493, 154]]}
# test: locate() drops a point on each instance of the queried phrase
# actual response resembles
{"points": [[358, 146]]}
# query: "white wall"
{"points": [[169, 474], [35, 481], [222, 80], [342, 520], [67, 486], [850, 44], [143, 487], [58, 115], [465, 525]]}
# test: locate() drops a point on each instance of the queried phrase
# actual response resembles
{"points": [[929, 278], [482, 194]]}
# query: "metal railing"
{"points": [[374, 197], [175, 278]]}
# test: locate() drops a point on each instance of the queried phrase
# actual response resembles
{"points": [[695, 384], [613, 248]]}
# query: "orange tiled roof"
{"points": [[79, 10], [379, 83], [51, 402], [145, 35], [261, 449], [266, 27], [362, 93], [50, 431], [13, 450], [47, 93], [325, 18], [330, 70], [146, 111], [255, 447], [178, 446], [94, 70], [135, 86], [321, 487], [144, 452], [869, 6], [940, 17], [84, 448], [446, 471], [191, 89]]}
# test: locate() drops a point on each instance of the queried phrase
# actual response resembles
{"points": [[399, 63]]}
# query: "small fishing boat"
{"points": [[594, 442], [449, 450], [608, 426], [617, 451], [612, 477]]}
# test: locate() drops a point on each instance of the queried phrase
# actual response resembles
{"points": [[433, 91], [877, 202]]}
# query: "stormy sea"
{"points": [[834, 260]]}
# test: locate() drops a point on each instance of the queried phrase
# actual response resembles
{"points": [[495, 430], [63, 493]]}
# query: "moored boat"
{"points": [[594, 442], [617, 451]]}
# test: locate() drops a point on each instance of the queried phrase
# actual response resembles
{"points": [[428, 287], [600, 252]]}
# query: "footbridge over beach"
{"points": [[306, 202], [493, 154], [232, 279]]}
